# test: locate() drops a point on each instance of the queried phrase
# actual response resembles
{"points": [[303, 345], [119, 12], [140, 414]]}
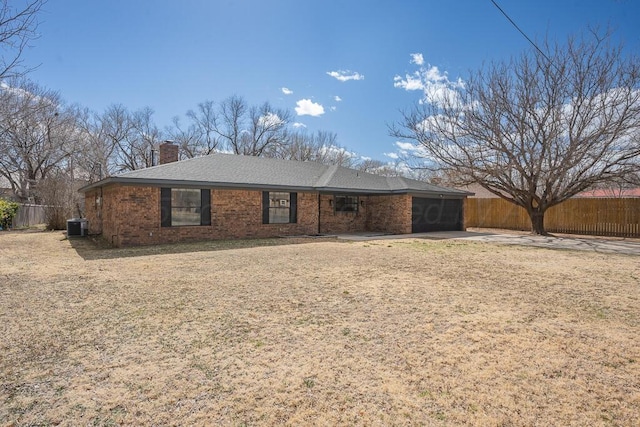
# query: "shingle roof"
{"points": [[611, 193], [233, 171]]}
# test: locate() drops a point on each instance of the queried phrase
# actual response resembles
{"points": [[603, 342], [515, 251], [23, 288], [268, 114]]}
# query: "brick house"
{"points": [[223, 196]]}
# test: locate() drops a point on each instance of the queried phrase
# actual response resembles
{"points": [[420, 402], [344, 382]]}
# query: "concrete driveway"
{"points": [[586, 243]]}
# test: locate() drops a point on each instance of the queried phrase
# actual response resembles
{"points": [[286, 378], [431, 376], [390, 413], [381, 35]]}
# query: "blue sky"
{"points": [[340, 66]]}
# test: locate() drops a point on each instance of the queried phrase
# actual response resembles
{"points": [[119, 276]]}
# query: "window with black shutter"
{"points": [[279, 207], [185, 206]]}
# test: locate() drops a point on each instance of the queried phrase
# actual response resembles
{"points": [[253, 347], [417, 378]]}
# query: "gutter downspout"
{"points": [[319, 212]]}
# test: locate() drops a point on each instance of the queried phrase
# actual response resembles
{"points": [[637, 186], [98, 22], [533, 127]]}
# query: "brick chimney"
{"points": [[168, 152]]}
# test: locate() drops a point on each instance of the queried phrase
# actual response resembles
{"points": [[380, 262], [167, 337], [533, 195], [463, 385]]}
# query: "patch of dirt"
{"points": [[322, 332]]}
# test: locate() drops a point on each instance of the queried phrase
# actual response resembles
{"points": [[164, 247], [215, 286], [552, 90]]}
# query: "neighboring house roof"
{"points": [[611, 192], [479, 192], [482, 193], [234, 171]]}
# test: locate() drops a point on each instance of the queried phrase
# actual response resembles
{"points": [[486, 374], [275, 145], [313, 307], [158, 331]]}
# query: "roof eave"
{"points": [[435, 194], [394, 191], [190, 183], [257, 186]]}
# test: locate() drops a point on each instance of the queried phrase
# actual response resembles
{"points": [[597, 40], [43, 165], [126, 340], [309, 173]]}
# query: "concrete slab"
{"points": [[588, 243], [594, 244]]}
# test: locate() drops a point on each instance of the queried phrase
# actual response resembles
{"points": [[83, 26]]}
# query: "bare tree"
{"points": [[538, 129], [336, 155], [378, 167], [97, 154], [138, 152], [186, 138], [115, 125], [250, 131], [18, 25], [229, 122], [266, 131], [306, 147], [37, 135], [199, 138], [321, 147], [233, 125], [116, 140], [130, 136], [59, 194]]}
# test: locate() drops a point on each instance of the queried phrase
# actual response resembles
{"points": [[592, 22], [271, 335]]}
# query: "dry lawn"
{"points": [[402, 332]]}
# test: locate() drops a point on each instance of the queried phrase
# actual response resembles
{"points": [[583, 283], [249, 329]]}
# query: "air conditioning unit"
{"points": [[77, 227]]}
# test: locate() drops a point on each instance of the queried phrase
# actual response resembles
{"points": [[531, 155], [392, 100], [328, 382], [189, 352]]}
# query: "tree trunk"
{"points": [[537, 222]]}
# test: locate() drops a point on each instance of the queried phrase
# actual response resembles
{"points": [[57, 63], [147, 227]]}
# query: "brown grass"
{"points": [[401, 332]]}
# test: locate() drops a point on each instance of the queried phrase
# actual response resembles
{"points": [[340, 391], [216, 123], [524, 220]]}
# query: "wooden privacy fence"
{"points": [[29, 215], [594, 216]]}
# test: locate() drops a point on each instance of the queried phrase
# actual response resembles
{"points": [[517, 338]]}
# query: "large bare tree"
{"points": [[199, 137], [116, 140], [320, 147], [130, 138], [38, 134], [97, 154], [232, 125], [18, 25], [249, 130], [538, 129]]}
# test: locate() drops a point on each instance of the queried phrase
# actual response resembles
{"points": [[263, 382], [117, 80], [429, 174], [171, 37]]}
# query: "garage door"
{"points": [[436, 215]]}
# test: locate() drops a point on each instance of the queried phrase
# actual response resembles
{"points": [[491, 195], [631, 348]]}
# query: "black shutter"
{"points": [[165, 207], [265, 207], [293, 208], [205, 207]]}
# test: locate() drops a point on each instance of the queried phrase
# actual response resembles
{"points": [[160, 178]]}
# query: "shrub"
{"points": [[8, 211]]}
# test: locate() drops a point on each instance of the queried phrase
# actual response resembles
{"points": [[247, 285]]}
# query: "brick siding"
{"points": [[130, 215], [127, 215], [390, 214], [332, 222]]}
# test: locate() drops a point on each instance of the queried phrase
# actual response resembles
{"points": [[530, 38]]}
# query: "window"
{"points": [[345, 203], [279, 207], [185, 206]]}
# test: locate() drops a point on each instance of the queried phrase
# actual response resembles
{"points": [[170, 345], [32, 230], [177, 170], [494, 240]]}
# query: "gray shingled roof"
{"points": [[232, 171]]}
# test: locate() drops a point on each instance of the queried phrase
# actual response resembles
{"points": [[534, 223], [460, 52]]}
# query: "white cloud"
{"points": [[333, 108], [405, 170], [299, 125], [345, 75], [417, 58], [287, 91], [393, 156], [407, 148], [337, 98], [335, 152], [413, 82], [434, 74], [434, 84], [270, 120], [306, 107]]}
